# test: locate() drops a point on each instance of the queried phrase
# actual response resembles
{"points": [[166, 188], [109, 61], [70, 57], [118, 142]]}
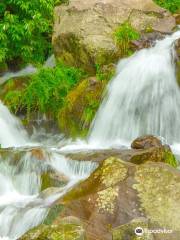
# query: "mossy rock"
{"points": [[80, 107], [90, 39], [127, 231], [118, 192], [56, 232]]}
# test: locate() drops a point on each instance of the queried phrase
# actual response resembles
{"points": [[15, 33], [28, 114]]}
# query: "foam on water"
{"points": [[22, 205], [12, 133], [143, 98]]}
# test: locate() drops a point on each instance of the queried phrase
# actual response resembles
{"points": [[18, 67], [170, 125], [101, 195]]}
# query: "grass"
{"points": [[171, 5], [123, 35], [45, 92]]}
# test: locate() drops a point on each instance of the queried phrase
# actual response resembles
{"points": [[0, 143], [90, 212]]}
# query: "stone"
{"points": [[145, 142], [56, 232], [127, 231], [80, 107], [118, 193], [83, 30], [160, 153]]}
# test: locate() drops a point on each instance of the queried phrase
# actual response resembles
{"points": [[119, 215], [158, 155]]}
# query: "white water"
{"points": [[143, 98], [28, 70], [22, 205], [11, 130]]}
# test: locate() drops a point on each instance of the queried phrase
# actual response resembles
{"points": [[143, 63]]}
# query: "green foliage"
{"points": [[25, 30], [80, 107], [123, 35], [170, 158], [105, 73], [172, 5], [45, 92]]}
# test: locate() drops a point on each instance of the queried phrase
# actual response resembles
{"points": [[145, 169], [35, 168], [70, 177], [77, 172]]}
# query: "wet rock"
{"points": [[53, 178], [56, 232], [81, 105], [127, 231], [137, 156], [39, 154], [89, 40], [119, 192], [145, 142], [147, 40], [35, 161]]}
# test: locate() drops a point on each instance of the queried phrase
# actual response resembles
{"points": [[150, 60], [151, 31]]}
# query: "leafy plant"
{"points": [[123, 35], [105, 73], [45, 92], [25, 30], [172, 5]]}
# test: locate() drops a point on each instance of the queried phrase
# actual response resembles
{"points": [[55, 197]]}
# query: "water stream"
{"points": [[143, 98]]}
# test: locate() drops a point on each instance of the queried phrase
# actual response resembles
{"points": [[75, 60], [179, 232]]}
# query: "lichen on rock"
{"points": [[159, 193], [106, 198]]}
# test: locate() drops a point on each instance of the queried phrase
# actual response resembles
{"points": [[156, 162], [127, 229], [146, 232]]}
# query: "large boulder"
{"points": [[63, 231], [84, 30], [145, 142], [118, 194]]}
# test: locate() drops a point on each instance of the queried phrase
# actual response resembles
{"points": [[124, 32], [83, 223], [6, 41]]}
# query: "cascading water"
{"points": [[28, 70], [22, 204], [143, 98], [12, 133]]}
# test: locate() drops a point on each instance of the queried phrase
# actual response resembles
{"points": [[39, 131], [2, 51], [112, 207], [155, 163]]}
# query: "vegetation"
{"points": [[106, 72], [45, 91], [25, 30], [123, 35], [172, 5], [80, 107]]}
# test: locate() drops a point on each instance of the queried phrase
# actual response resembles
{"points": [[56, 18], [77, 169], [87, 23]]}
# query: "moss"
{"points": [[54, 212], [110, 172], [158, 191], [56, 232], [106, 198], [73, 53], [127, 231], [170, 158], [178, 70], [80, 107], [106, 72]]}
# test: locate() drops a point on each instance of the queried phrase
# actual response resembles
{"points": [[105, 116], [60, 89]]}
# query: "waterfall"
{"points": [[143, 98], [22, 204], [28, 70], [12, 133]]}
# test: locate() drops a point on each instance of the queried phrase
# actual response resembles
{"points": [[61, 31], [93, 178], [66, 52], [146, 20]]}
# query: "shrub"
{"points": [[171, 5], [25, 30], [45, 92], [123, 35]]}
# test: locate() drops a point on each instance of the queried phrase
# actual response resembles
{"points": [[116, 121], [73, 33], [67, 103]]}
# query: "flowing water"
{"points": [[28, 70], [22, 203], [143, 98]]}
